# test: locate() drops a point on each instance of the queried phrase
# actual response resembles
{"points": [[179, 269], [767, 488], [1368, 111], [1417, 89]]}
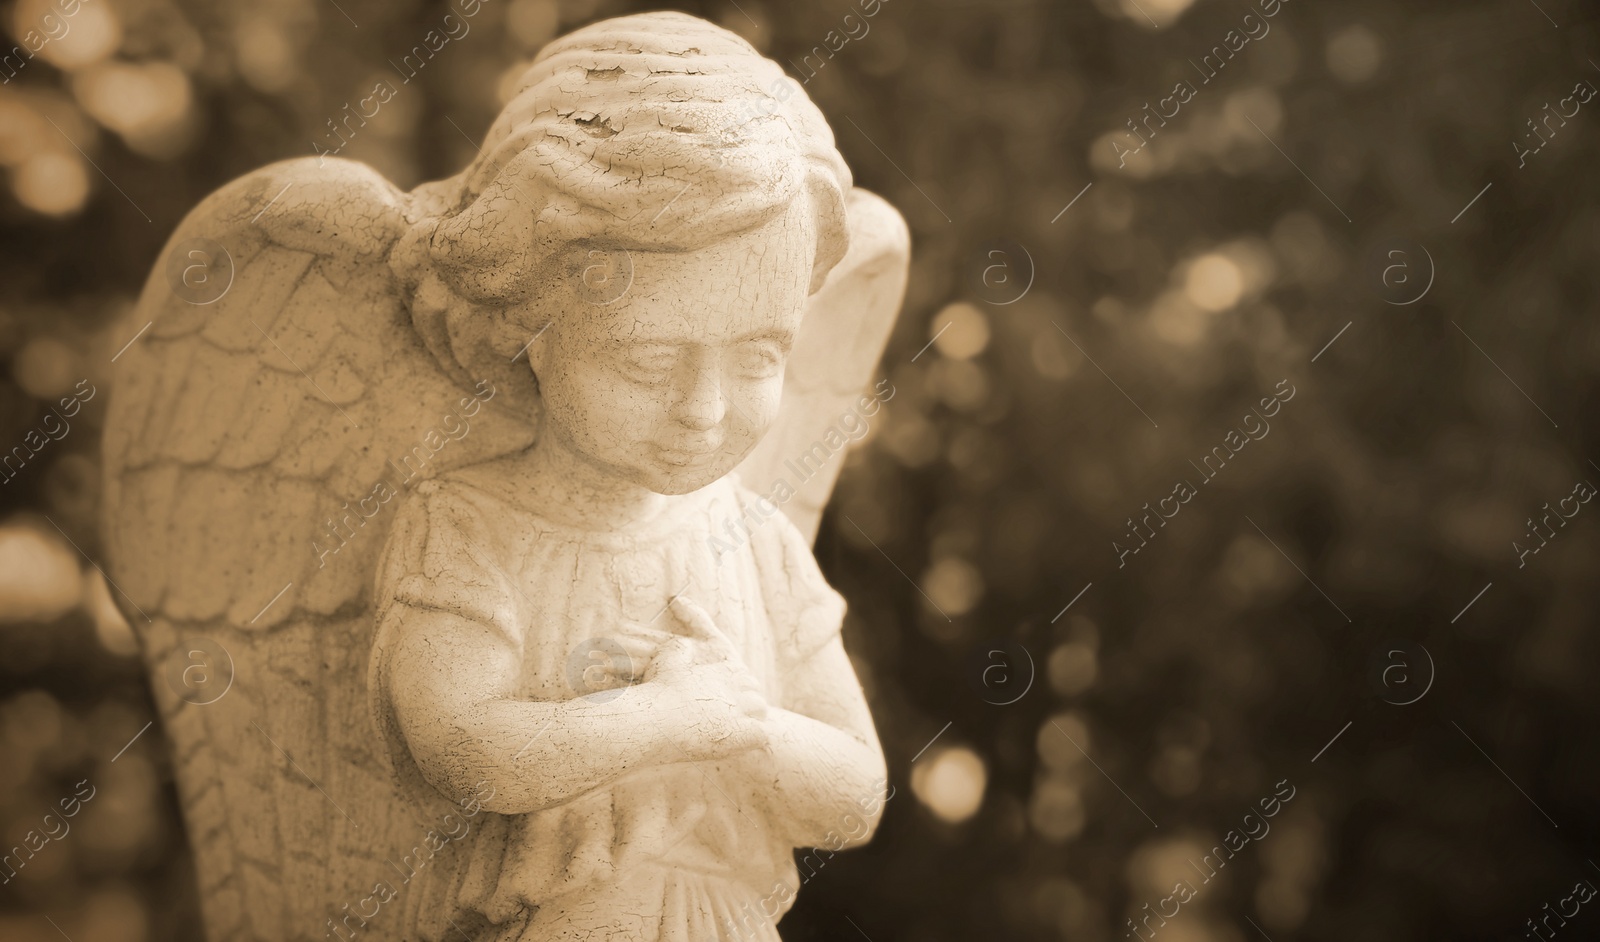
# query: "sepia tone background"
{"points": [[1390, 212]]}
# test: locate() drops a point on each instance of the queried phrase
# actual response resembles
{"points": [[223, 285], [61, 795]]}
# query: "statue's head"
{"points": [[642, 230]]}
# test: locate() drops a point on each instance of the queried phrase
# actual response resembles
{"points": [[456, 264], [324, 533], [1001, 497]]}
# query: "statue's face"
{"points": [[671, 385]]}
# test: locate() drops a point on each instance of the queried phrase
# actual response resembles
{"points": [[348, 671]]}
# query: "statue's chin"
{"points": [[672, 480]]}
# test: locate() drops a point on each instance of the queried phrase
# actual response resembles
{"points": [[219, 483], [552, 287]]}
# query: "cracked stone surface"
{"points": [[497, 498]]}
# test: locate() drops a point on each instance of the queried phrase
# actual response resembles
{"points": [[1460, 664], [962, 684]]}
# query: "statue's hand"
{"points": [[711, 705]]}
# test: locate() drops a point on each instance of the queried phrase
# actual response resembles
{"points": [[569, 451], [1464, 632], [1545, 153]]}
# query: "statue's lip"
{"points": [[684, 456]]}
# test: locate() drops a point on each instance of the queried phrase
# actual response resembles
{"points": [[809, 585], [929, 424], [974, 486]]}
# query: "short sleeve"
{"points": [[439, 556], [806, 613], [436, 559]]}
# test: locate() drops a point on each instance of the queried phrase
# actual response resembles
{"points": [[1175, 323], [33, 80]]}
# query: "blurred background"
{"points": [[1341, 610]]}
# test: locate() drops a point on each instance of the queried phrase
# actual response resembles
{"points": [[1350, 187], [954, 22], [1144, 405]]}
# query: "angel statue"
{"points": [[459, 524]]}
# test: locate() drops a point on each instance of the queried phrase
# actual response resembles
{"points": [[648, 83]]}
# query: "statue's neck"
{"points": [[570, 489]]}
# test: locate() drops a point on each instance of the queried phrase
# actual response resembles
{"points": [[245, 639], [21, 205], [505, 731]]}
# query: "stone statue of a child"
{"points": [[643, 723], [737, 730]]}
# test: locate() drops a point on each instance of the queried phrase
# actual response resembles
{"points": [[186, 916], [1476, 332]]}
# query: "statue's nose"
{"points": [[701, 406]]}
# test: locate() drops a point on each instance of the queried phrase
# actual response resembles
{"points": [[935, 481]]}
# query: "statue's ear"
{"points": [[521, 341], [472, 342], [490, 343], [509, 335], [430, 301]]}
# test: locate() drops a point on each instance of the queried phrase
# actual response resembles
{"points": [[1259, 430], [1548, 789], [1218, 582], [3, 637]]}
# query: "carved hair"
{"points": [[656, 132]]}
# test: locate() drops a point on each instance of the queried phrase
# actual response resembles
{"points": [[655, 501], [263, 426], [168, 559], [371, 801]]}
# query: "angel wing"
{"points": [[842, 337], [256, 449]]}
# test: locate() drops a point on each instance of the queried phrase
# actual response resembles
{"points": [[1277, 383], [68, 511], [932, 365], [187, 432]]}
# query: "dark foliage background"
{"points": [[1256, 227]]}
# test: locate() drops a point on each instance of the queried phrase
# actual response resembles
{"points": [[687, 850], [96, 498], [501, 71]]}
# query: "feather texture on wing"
{"points": [[256, 449]]}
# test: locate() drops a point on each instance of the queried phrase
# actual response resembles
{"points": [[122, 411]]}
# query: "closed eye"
{"points": [[760, 359], [649, 362]]}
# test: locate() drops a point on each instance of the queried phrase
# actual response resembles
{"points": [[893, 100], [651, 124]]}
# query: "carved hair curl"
{"points": [[655, 132]]}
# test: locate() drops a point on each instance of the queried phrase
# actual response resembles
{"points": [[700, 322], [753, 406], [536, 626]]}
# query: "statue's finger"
{"points": [[640, 649], [695, 618], [673, 657]]}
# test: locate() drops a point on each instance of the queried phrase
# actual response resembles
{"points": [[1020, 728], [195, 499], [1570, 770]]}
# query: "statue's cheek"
{"points": [[756, 405]]}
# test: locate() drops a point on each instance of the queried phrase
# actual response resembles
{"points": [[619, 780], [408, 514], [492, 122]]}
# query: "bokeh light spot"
{"points": [[951, 783], [1055, 749], [39, 576], [1354, 54], [1072, 668], [266, 56], [90, 34], [52, 183], [954, 585], [46, 368], [1214, 282], [1152, 14], [962, 331], [147, 104]]}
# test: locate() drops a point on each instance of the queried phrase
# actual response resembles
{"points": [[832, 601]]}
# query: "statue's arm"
{"points": [[826, 765], [451, 681]]}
